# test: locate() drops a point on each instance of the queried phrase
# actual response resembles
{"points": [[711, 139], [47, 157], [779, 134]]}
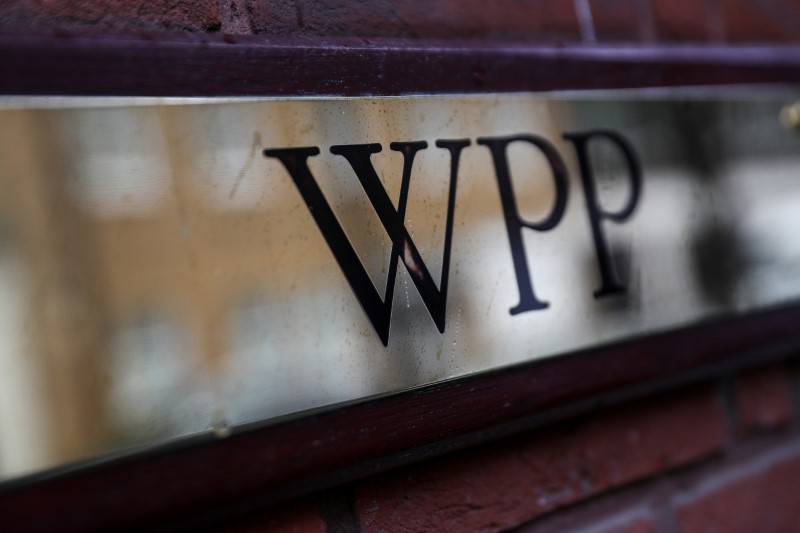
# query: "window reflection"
{"points": [[160, 277]]}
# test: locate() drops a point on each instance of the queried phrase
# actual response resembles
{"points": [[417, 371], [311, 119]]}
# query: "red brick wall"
{"points": [[720, 456], [533, 20]]}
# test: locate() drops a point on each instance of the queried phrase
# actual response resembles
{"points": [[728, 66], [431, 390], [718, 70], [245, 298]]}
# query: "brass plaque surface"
{"points": [[175, 267]]}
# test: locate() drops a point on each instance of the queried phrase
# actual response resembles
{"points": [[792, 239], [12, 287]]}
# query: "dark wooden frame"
{"points": [[197, 479], [187, 65]]}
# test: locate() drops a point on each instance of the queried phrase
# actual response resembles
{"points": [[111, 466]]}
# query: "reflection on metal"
{"points": [[184, 268], [790, 116]]}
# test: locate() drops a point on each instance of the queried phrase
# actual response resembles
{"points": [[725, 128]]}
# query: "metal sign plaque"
{"points": [[175, 267]]}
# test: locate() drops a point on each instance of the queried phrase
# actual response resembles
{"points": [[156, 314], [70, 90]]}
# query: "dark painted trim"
{"points": [[187, 65]]}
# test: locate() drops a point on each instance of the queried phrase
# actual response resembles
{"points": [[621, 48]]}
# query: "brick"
{"points": [[766, 501], [637, 521], [235, 17], [298, 517], [500, 19], [764, 399], [621, 20], [687, 20], [761, 20], [153, 15], [636, 526], [513, 481]]}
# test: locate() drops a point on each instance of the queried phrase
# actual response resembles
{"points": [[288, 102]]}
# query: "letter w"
{"points": [[378, 310]]}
